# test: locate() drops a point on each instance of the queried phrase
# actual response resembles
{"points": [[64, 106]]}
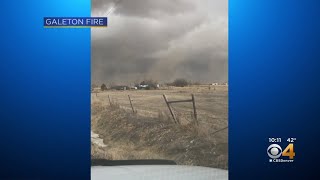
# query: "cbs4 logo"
{"points": [[275, 151]]}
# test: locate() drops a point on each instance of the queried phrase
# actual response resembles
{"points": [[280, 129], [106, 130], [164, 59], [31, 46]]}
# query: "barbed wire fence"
{"points": [[178, 114]]}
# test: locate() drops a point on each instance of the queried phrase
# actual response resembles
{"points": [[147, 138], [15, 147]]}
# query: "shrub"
{"points": [[180, 82], [103, 87]]}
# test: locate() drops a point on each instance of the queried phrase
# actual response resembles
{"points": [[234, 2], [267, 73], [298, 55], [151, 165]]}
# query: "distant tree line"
{"points": [[180, 82], [150, 84]]}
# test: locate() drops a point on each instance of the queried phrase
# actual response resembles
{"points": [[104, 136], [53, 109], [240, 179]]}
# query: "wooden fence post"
{"points": [[131, 103], [169, 107], [194, 109], [109, 100]]}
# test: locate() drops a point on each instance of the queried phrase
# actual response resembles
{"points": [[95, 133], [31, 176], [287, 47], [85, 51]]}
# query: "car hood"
{"points": [[157, 172]]}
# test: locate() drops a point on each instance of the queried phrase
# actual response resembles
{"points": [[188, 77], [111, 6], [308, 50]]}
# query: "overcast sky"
{"points": [[161, 40]]}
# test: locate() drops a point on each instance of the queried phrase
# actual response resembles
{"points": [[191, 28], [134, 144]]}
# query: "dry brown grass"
{"points": [[99, 152], [136, 136], [212, 105]]}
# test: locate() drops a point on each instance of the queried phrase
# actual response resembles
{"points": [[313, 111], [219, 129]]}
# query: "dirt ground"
{"points": [[151, 134]]}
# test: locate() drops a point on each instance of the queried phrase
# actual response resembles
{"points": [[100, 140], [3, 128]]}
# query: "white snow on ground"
{"points": [[97, 140]]}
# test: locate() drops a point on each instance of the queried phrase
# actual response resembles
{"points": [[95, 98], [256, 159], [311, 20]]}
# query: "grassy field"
{"points": [[151, 134]]}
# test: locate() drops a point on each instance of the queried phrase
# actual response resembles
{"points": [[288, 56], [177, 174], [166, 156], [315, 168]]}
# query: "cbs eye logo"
{"points": [[275, 151]]}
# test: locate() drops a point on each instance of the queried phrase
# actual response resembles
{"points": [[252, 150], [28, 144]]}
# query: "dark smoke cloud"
{"points": [[144, 8], [162, 40]]}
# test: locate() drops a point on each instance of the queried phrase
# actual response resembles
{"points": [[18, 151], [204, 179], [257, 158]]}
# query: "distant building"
{"points": [[143, 86], [119, 87], [96, 89]]}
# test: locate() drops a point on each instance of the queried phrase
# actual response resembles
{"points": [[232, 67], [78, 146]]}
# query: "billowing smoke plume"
{"points": [[160, 40]]}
